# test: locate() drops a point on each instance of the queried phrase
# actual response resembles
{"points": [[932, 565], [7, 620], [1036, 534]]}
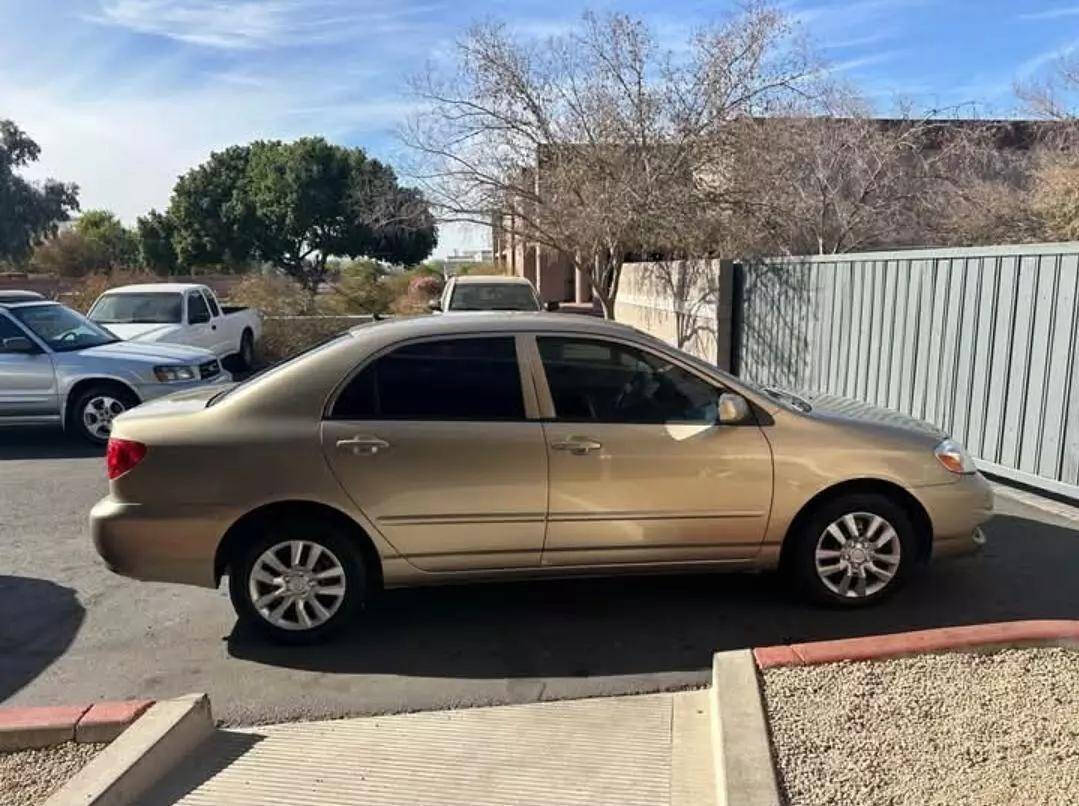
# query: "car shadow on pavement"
{"points": [[622, 626], [44, 443], [39, 622]]}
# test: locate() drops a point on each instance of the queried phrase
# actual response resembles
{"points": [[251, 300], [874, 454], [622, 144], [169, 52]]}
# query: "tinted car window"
{"points": [[196, 308], [493, 297], [455, 379], [8, 329], [599, 381]]}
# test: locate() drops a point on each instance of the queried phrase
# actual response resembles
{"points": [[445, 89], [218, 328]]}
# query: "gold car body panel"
{"points": [[262, 443]]}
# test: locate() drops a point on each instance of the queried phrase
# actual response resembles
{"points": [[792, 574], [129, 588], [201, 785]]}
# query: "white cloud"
{"points": [[251, 24], [1050, 13]]}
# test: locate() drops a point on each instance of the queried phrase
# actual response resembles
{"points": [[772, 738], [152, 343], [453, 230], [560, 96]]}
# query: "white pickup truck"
{"points": [[179, 313]]}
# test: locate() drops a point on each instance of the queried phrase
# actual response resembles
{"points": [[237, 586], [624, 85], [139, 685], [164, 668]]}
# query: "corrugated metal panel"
{"points": [[983, 342]]}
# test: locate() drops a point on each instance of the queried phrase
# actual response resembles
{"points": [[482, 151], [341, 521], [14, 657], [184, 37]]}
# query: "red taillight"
{"points": [[121, 455]]}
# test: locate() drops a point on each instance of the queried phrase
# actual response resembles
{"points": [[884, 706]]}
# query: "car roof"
{"points": [[17, 295], [27, 303], [175, 288], [402, 328], [491, 279]]}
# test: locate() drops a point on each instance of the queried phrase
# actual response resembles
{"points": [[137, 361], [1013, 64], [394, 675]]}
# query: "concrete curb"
{"points": [[141, 755], [28, 728], [741, 750], [1051, 632]]}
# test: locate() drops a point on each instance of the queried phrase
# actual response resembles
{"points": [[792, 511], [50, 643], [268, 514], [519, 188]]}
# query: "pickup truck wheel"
{"points": [[297, 581], [854, 550], [247, 350], [92, 412]]}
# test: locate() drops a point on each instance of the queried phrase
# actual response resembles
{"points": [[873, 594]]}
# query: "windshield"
{"points": [[157, 308], [62, 328], [493, 297]]}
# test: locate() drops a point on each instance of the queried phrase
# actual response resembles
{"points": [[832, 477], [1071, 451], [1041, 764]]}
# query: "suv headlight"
{"points": [[954, 458], [174, 374]]}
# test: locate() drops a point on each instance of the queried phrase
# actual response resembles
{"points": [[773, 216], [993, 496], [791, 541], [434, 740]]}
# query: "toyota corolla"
{"points": [[437, 449]]}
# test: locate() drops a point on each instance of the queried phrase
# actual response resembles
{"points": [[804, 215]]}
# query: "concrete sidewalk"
{"points": [[650, 749]]}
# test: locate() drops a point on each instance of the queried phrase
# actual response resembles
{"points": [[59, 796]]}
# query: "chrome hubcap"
{"points": [[99, 413], [297, 584], [858, 555]]}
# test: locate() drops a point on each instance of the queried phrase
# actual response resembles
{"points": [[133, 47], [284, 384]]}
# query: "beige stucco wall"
{"points": [[685, 303]]}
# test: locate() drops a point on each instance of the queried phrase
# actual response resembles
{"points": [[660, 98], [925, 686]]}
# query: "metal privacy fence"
{"points": [[983, 342]]}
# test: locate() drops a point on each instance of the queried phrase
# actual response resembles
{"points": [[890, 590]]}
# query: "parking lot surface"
{"points": [[71, 631]]}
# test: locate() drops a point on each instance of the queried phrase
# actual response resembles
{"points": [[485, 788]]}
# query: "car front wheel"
{"points": [[854, 550], [298, 582], [93, 411]]}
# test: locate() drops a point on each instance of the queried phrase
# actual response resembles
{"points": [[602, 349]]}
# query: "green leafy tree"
{"points": [[29, 212], [118, 244], [155, 238], [296, 205]]}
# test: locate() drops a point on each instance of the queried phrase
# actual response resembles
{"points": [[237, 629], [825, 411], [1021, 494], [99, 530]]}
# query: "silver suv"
{"points": [[58, 367]]}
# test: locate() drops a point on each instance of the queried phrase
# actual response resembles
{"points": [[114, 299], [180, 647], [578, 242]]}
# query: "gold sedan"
{"points": [[490, 446]]}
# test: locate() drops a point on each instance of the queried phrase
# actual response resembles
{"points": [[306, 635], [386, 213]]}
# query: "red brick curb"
{"points": [[26, 728], [1008, 633]]}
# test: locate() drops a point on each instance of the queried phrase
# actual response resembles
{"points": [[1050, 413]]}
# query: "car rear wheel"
{"points": [[247, 350], [854, 550], [94, 409], [298, 581]]}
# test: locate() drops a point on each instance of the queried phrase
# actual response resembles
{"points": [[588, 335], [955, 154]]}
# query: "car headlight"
{"points": [[174, 374], [954, 458]]}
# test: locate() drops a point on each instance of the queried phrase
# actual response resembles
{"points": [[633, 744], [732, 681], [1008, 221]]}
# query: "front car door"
{"points": [[27, 380], [198, 329], [640, 471], [438, 442], [220, 341]]}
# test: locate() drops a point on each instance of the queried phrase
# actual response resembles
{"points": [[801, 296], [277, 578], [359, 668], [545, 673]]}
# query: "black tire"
{"points": [[335, 544], [827, 588], [92, 398], [246, 357]]}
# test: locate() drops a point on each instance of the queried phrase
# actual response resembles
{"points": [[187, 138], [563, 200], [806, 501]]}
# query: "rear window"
{"points": [[493, 297]]}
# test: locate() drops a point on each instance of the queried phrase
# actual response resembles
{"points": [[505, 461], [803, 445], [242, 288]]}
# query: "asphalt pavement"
{"points": [[71, 631]]}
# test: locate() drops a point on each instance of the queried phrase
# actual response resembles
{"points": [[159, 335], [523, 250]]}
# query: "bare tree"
{"points": [[601, 144], [834, 178]]}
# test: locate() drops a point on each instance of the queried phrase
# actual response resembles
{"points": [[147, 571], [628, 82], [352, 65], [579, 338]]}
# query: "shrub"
{"points": [[271, 294], [285, 336], [69, 254], [83, 292]]}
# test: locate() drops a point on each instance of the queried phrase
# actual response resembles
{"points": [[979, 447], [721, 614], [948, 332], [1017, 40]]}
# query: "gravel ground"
{"points": [[960, 728], [29, 776]]}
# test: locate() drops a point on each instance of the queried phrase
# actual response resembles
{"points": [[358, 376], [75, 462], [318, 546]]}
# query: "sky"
{"points": [[125, 95]]}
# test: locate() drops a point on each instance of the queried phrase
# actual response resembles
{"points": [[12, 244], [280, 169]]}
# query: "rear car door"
{"points": [[27, 379], [640, 471], [438, 443]]}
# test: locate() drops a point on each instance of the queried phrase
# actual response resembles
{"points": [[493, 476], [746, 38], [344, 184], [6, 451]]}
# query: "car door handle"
{"points": [[363, 446], [577, 445]]}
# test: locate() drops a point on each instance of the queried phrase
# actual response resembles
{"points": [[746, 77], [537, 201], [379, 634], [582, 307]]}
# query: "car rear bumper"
{"points": [[957, 512], [138, 542]]}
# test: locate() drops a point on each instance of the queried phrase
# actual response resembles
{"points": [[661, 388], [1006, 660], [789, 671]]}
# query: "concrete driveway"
{"points": [[71, 631]]}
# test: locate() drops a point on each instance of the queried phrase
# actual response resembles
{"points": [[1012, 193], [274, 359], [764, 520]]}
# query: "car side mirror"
{"points": [[551, 305], [434, 306], [18, 344], [733, 409]]}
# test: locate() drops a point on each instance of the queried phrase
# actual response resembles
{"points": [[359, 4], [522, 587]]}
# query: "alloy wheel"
{"points": [[858, 555], [297, 585], [98, 414]]}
